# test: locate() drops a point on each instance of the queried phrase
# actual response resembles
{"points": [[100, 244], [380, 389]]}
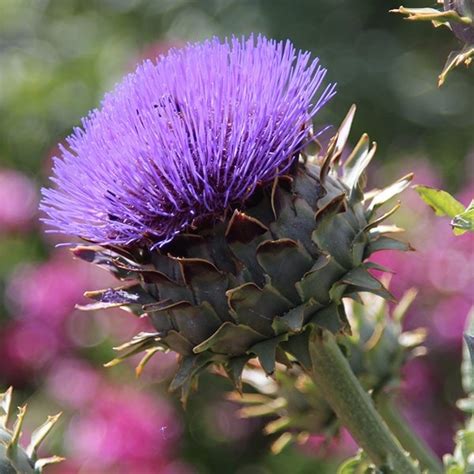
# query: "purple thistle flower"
{"points": [[184, 139]]}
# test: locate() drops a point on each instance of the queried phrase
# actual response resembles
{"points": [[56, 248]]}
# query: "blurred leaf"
{"points": [[464, 221], [455, 59], [431, 14], [440, 201], [358, 464]]}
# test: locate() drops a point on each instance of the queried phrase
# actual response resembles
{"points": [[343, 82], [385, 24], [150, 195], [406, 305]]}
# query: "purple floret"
{"points": [[183, 139]]}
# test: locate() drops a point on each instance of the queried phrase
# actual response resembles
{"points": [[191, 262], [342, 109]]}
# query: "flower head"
{"points": [[183, 139]]}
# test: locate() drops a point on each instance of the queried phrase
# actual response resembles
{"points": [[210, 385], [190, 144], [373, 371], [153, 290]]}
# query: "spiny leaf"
{"points": [[41, 463], [243, 228], [40, 433], [431, 14], [298, 347], [285, 261], [208, 284], [343, 133], [382, 218], [390, 192], [5, 404], [137, 344], [331, 317], [295, 319], [455, 59], [132, 296], [355, 167], [256, 308], [231, 339], [318, 281], [266, 352], [149, 353], [386, 243], [194, 322], [234, 368], [120, 266], [188, 368], [13, 444], [440, 201]]}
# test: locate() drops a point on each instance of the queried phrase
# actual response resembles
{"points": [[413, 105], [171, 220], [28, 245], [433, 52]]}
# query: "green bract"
{"points": [[254, 283], [13, 458], [376, 350]]}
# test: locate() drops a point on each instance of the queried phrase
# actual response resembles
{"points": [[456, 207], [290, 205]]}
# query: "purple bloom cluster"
{"points": [[184, 139]]}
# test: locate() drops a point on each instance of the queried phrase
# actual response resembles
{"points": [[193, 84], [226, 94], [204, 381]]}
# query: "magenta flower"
{"points": [[182, 140], [123, 430], [18, 201]]}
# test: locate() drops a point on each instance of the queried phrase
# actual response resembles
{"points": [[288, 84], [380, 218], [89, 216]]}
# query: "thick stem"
{"points": [[408, 439], [333, 376]]}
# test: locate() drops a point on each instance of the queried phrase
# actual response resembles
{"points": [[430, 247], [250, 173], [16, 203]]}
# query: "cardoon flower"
{"points": [[184, 140], [193, 184]]}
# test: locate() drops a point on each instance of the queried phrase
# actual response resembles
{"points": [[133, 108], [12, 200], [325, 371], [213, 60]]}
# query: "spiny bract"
{"points": [[13, 458], [255, 283], [377, 350]]}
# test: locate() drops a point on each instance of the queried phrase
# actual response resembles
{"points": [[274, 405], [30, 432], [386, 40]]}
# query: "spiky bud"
{"points": [[228, 235], [254, 283], [13, 458]]}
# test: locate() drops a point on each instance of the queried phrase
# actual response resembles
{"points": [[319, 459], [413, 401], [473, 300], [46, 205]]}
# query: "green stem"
{"points": [[408, 439], [333, 375]]}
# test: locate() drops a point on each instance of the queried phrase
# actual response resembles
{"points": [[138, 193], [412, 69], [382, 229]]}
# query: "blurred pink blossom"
{"points": [[340, 446], [18, 201], [123, 430], [47, 291]]}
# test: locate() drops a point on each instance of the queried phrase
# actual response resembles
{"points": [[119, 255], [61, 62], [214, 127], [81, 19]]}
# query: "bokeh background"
{"points": [[57, 58]]}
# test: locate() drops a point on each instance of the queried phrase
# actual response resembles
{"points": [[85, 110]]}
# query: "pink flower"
{"points": [[122, 430], [341, 446], [18, 201], [48, 291]]}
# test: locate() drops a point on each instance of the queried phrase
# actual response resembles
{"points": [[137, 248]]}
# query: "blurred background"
{"points": [[57, 58]]}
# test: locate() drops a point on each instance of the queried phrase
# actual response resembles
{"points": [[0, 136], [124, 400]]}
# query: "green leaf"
{"points": [[440, 201], [464, 221]]}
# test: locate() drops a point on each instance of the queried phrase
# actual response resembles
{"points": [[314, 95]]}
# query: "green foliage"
{"points": [[443, 204], [447, 18]]}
